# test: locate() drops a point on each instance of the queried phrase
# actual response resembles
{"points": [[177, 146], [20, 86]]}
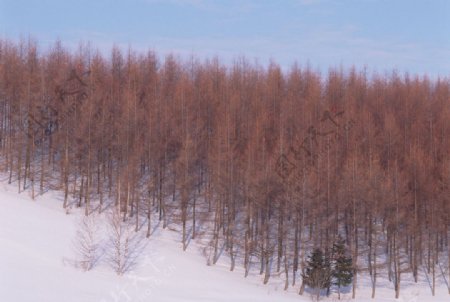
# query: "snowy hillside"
{"points": [[36, 240], [36, 255]]}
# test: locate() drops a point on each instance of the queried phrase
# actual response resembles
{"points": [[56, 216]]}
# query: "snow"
{"points": [[36, 255]]}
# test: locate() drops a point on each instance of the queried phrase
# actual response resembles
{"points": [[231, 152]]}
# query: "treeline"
{"points": [[267, 164]]}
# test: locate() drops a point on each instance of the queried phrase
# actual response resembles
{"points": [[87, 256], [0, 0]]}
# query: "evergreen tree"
{"points": [[318, 273], [342, 271]]}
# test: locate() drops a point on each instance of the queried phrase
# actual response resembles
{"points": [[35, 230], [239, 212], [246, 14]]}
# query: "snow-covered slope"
{"points": [[36, 251]]}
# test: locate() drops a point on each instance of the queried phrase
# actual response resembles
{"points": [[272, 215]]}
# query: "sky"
{"points": [[381, 35]]}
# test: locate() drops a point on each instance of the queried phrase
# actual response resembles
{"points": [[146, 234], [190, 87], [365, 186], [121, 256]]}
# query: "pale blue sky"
{"points": [[408, 35]]}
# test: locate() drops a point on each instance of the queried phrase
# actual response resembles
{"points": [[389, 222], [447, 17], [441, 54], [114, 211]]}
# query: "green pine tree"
{"points": [[317, 273], [342, 265]]}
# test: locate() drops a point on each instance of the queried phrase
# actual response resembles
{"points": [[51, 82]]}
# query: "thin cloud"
{"points": [[309, 2], [196, 4]]}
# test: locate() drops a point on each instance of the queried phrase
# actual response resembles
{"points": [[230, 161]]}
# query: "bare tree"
{"points": [[87, 241], [212, 138], [125, 245]]}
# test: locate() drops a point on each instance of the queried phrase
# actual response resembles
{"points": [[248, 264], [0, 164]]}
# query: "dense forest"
{"points": [[263, 163]]}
